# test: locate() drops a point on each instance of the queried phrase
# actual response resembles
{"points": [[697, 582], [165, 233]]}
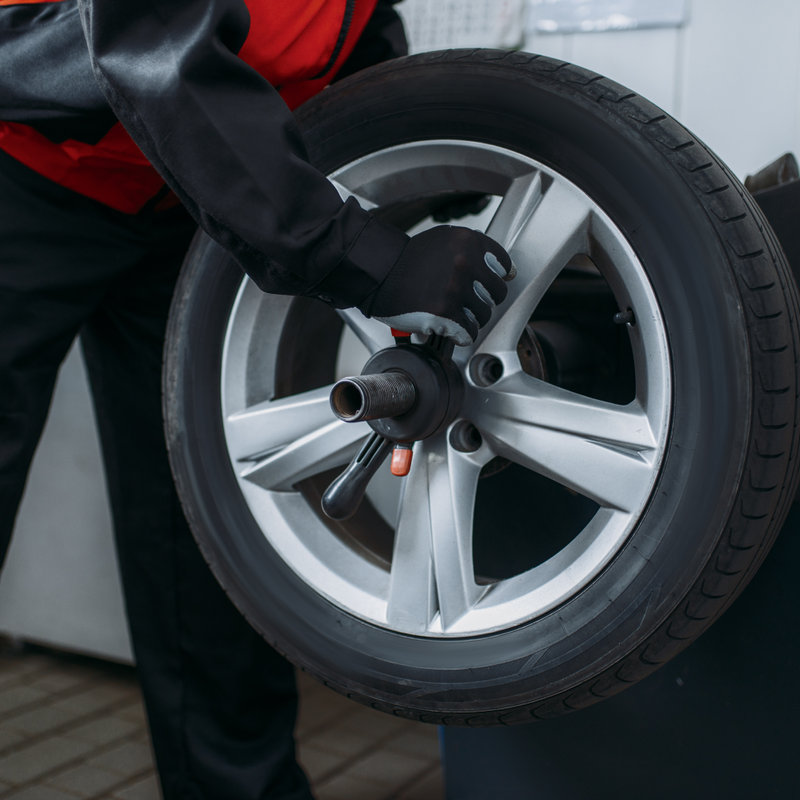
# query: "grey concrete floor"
{"points": [[73, 727]]}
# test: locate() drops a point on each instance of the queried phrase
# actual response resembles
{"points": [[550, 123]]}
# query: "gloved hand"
{"points": [[446, 281]]}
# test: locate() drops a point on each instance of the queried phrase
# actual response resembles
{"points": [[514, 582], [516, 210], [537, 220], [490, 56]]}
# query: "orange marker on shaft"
{"points": [[401, 459]]}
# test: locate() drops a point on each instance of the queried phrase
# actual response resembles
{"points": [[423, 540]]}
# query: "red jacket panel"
{"points": [[296, 46]]}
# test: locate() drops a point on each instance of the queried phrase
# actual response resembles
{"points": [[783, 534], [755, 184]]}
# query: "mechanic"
{"points": [[91, 239]]}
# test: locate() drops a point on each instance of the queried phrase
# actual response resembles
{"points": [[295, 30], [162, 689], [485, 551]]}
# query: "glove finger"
{"points": [[495, 265], [494, 285], [496, 257], [425, 324], [512, 273], [481, 304], [483, 293], [469, 322]]}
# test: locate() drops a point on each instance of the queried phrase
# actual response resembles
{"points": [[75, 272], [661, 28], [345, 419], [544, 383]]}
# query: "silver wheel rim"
{"points": [[607, 452]]}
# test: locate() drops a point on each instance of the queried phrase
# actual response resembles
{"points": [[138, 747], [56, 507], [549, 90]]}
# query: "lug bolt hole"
{"points": [[486, 370], [465, 437]]}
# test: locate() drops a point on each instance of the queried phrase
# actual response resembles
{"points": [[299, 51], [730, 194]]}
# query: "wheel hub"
{"points": [[436, 385]]}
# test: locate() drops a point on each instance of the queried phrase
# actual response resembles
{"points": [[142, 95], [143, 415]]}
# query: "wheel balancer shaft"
{"points": [[365, 397]]}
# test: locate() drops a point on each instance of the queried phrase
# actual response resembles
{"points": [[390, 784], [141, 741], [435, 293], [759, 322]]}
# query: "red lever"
{"points": [[401, 460], [401, 334]]}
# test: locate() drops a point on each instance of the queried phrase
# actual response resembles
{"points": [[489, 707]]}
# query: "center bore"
{"points": [[405, 393], [385, 394]]}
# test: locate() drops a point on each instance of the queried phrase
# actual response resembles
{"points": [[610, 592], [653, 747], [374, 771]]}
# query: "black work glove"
{"points": [[446, 281]]}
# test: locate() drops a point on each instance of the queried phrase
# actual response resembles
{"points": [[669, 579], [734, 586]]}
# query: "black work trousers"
{"points": [[221, 704]]}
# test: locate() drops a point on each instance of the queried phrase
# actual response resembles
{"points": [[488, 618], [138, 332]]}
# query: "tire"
{"points": [[635, 402]]}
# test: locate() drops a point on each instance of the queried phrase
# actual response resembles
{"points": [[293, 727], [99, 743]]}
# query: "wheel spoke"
{"points": [[257, 431], [515, 210], [432, 568], [331, 445], [372, 334], [601, 450], [452, 489], [549, 229], [412, 586]]}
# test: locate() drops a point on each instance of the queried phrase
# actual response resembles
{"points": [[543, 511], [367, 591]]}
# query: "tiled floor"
{"points": [[74, 728]]}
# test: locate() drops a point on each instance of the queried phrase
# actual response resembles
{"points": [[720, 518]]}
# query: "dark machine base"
{"points": [[689, 731]]}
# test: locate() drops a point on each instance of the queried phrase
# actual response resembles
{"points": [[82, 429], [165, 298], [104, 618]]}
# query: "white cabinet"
{"points": [[60, 585]]}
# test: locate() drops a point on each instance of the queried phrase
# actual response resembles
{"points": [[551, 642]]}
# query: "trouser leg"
{"points": [[220, 702], [30, 354], [43, 301]]}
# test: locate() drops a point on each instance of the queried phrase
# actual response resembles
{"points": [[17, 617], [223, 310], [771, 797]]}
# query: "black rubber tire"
{"points": [[730, 470]]}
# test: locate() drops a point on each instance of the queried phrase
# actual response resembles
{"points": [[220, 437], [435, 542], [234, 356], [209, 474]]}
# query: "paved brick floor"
{"points": [[73, 727]]}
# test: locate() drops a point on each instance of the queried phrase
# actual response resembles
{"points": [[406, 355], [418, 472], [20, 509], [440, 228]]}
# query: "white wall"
{"points": [[739, 83], [60, 585]]}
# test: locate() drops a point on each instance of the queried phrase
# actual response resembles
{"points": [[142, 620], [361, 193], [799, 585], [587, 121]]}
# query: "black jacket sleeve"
{"points": [[45, 77], [227, 144]]}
